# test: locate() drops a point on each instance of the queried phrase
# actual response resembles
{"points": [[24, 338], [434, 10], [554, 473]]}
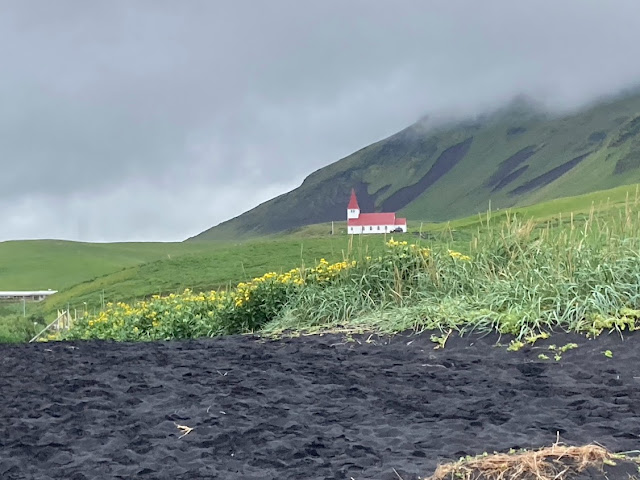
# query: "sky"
{"points": [[153, 120]]}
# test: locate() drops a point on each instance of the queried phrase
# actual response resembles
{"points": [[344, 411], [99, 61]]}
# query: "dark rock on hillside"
{"points": [[445, 162], [628, 163], [630, 129], [507, 179], [507, 166], [597, 137], [548, 177]]}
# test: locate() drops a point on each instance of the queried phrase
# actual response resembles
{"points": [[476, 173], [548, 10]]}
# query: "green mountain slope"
{"points": [[515, 157]]}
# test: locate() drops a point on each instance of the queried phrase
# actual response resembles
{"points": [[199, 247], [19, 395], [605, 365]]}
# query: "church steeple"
{"points": [[353, 209]]}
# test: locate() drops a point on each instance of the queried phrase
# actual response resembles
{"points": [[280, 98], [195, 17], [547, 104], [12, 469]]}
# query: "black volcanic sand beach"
{"points": [[315, 407]]}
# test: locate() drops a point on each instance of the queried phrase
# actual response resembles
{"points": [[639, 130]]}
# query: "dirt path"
{"points": [[306, 408]]}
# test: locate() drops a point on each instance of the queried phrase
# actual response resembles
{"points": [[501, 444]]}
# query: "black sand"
{"points": [[307, 408]]}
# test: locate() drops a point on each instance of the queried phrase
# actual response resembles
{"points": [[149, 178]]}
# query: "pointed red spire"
{"points": [[353, 201]]}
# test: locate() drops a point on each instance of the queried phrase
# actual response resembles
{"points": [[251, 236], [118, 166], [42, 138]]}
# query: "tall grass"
{"points": [[515, 277], [18, 329], [523, 278], [19, 322]]}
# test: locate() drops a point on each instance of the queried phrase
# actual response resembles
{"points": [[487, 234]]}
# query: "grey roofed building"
{"points": [[31, 296]]}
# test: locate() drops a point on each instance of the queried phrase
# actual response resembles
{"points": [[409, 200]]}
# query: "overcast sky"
{"points": [[154, 120]]}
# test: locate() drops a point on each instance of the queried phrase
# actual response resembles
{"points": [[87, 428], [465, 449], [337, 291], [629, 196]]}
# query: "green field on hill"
{"points": [[523, 279], [217, 269], [90, 275], [58, 264]]}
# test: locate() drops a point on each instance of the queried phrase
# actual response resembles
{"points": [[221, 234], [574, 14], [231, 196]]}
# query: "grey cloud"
{"points": [[206, 108]]}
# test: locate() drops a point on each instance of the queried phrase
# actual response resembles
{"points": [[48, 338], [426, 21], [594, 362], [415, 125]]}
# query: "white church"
{"points": [[372, 222]]}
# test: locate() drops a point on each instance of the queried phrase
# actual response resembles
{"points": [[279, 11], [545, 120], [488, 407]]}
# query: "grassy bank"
{"points": [[523, 278], [218, 265], [132, 272], [18, 322], [515, 277], [219, 268]]}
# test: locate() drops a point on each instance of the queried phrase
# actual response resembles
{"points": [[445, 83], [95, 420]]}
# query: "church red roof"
{"points": [[366, 219], [353, 201]]}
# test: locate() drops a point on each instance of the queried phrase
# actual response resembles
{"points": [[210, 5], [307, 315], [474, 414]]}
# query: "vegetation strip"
{"points": [[518, 278], [526, 277]]}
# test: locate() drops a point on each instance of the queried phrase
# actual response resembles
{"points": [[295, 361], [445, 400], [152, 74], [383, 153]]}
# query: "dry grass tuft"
{"points": [[557, 462], [184, 429]]}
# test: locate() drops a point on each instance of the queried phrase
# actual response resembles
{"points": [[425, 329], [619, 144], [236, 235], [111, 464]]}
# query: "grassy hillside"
{"points": [[203, 266], [515, 157], [56, 264], [214, 269], [231, 263], [523, 280]]}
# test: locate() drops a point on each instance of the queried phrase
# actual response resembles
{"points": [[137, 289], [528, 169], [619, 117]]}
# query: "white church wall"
{"points": [[367, 229]]}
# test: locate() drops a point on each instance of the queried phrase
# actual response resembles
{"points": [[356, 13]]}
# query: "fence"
{"points": [[62, 322]]}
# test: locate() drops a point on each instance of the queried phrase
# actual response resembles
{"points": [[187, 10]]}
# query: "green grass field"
{"points": [[224, 265], [57, 264], [90, 275]]}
